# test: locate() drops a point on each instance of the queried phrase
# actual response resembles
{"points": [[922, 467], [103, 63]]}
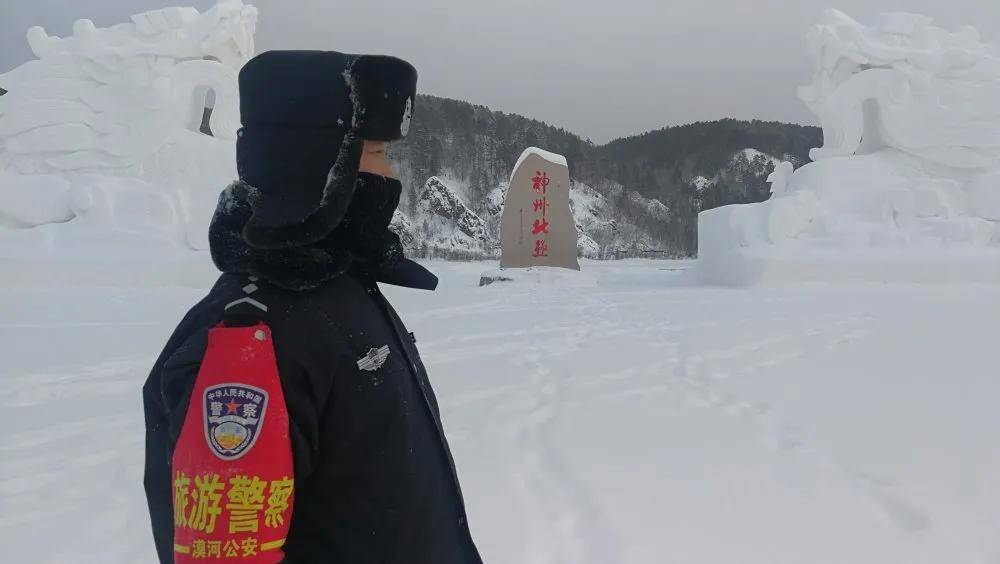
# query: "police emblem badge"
{"points": [[234, 416], [374, 358]]}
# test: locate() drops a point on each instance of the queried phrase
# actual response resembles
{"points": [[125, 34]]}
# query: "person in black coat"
{"points": [[302, 240]]}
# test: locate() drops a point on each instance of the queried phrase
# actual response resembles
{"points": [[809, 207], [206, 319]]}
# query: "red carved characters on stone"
{"points": [[541, 248], [540, 227], [540, 205], [540, 182]]}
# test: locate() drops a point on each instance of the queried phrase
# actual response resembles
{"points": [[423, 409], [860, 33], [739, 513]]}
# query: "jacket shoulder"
{"points": [[324, 311], [186, 335]]}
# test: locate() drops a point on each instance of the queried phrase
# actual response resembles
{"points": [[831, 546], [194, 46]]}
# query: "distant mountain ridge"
{"points": [[631, 195]]}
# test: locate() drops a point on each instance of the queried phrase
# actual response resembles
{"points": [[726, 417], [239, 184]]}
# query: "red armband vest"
{"points": [[233, 480]]}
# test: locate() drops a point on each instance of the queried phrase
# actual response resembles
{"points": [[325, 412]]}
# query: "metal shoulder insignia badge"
{"points": [[374, 358], [234, 416]]}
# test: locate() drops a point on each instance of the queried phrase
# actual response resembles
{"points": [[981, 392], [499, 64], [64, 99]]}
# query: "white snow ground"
{"points": [[641, 420]]}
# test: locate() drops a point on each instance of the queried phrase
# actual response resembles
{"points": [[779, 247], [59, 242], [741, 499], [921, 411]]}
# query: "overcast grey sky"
{"points": [[602, 69]]}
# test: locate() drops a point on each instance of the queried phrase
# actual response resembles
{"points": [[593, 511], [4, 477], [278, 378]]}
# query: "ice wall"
{"points": [[907, 184], [101, 147]]}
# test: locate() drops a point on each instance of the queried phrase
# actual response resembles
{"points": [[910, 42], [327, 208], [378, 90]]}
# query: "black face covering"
{"points": [[364, 231]]}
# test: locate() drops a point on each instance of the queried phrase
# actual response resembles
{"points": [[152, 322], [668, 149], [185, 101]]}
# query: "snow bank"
{"points": [[539, 276], [101, 148], [907, 185]]}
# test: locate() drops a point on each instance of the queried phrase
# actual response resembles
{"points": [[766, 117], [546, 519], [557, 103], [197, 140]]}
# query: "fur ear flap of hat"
{"points": [[377, 90], [382, 91]]}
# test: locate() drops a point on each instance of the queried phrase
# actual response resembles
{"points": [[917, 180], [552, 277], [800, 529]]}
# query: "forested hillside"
{"points": [[630, 197], [641, 192]]}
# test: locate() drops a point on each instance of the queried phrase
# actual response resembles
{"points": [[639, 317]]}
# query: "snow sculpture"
{"points": [[111, 98], [907, 184], [537, 226], [105, 124], [904, 84]]}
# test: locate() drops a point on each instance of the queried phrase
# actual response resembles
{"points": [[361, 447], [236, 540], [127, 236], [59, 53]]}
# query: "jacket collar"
{"points": [[307, 267]]}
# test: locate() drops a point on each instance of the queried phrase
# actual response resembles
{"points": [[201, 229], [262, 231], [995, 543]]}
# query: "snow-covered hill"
{"points": [[439, 220], [744, 166], [630, 196], [441, 223]]}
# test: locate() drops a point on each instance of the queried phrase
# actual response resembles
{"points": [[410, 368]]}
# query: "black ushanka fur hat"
{"points": [[305, 116]]}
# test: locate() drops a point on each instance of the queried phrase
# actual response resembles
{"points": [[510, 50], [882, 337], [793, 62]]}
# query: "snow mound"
{"points": [[539, 276], [907, 185]]}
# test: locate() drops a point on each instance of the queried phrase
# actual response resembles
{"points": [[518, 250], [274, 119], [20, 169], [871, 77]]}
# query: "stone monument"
{"points": [[537, 226]]}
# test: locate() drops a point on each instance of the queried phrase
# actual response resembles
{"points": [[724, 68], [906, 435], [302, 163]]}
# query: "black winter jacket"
{"points": [[374, 478]]}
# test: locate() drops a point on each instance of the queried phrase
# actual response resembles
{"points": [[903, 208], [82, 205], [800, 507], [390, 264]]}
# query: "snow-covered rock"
{"points": [[441, 201], [402, 226], [585, 245], [444, 225], [905, 187], [494, 200], [590, 209]]}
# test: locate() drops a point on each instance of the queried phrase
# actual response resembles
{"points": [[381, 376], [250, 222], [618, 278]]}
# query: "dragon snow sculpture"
{"points": [[112, 98], [905, 84], [907, 184]]}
